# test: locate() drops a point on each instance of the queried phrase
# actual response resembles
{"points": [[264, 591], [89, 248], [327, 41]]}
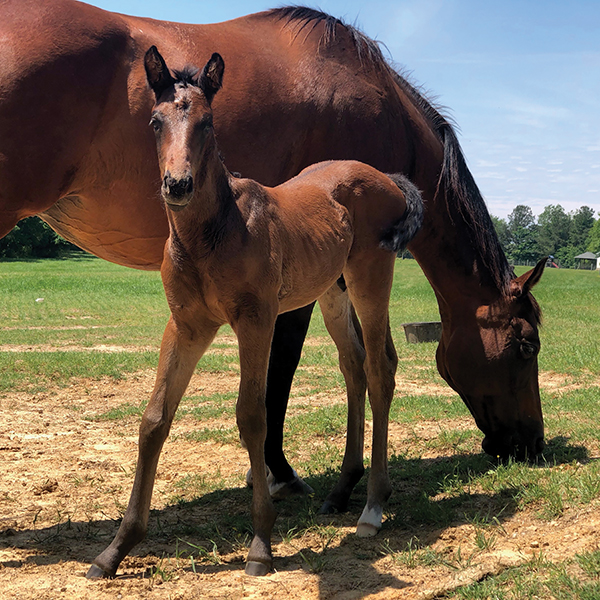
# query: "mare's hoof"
{"points": [[95, 572], [329, 508], [257, 569], [297, 486], [249, 482], [281, 490], [364, 530]]}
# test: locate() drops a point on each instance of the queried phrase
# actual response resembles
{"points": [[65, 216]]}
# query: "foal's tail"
{"points": [[404, 230]]}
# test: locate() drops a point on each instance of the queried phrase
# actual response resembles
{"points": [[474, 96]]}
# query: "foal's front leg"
{"points": [[255, 333], [178, 358]]}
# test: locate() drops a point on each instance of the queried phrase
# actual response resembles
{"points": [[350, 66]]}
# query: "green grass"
{"points": [[88, 303], [570, 335]]}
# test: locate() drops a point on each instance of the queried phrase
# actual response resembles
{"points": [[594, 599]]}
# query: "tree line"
{"points": [[555, 233], [32, 238]]}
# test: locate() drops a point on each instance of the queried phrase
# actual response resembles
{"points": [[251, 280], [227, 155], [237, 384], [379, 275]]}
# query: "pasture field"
{"points": [[79, 346]]}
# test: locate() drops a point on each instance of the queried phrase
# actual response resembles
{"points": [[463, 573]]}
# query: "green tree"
{"points": [[582, 221], [32, 238], [522, 232], [521, 217], [593, 241], [554, 229], [501, 228]]}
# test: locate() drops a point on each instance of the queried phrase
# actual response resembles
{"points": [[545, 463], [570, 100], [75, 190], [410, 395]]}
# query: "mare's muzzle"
{"points": [[177, 192], [524, 444]]}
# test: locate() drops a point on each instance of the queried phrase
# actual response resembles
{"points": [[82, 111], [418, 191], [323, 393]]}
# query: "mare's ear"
{"points": [[211, 78], [522, 285], [157, 71]]}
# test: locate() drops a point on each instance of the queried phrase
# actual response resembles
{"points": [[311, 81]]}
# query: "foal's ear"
{"points": [[211, 78], [522, 285], [157, 71]]}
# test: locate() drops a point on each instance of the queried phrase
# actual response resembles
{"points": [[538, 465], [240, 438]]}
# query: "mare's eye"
{"points": [[528, 350]]}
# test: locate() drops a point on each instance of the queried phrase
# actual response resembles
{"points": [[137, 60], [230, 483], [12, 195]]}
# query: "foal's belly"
{"points": [[308, 275]]}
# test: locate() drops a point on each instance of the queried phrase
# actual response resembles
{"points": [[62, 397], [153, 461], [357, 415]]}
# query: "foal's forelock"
{"points": [[187, 76]]}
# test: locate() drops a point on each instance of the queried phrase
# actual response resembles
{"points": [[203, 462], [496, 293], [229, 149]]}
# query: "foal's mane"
{"points": [[465, 203]]}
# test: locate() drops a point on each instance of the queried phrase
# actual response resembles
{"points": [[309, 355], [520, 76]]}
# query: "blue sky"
{"points": [[521, 78]]}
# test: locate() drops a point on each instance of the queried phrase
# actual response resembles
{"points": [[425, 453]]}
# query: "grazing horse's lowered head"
{"points": [[491, 360]]}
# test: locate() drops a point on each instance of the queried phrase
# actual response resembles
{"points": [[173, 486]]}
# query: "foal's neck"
{"points": [[213, 186], [200, 227]]}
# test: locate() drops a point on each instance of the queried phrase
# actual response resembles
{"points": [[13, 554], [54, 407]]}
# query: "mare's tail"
{"points": [[404, 230]]}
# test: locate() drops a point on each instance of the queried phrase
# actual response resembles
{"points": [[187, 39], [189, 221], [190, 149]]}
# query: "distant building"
{"points": [[588, 256]]}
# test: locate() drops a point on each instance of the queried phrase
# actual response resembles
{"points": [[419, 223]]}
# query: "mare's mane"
{"points": [[465, 203]]}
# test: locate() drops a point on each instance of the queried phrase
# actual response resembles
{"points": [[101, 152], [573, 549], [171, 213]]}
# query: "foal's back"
{"points": [[330, 213]]}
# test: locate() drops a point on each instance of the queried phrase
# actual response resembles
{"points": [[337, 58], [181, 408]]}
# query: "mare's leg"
{"points": [[369, 281], [286, 348], [255, 333], [178, 358], [344, 328]]}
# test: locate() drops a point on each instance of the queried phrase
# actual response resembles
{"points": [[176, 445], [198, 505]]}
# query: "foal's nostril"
{"points": [[178, 188]]}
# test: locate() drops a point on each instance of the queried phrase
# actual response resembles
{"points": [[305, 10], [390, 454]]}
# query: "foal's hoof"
{"points": [[364, 530], [257, 569], [95, 572], [370, 521]]}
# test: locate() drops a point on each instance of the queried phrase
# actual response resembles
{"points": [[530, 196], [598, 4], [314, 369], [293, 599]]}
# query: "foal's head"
{"points": [[182, 122]]}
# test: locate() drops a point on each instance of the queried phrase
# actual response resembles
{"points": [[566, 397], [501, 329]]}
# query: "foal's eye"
{"points": [[528, 350]]}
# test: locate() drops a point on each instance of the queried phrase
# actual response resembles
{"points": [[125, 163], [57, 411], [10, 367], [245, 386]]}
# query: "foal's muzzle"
{"points": [[177, 192]]}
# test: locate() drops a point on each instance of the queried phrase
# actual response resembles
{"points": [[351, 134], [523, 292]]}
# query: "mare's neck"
{"points": [[457, 266]]}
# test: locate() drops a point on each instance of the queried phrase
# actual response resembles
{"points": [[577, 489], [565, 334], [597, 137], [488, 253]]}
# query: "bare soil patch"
{"points": [[66, 478]]}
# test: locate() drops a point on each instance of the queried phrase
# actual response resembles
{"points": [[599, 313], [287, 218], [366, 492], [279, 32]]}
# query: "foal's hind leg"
{"points": [[178, 358], [369, 281], [344, 328]]}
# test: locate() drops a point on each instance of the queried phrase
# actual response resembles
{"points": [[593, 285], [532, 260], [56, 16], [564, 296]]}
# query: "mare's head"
{"points": [[492, 363], [183, 123]]}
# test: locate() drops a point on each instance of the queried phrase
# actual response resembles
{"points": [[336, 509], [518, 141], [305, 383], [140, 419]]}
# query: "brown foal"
{"points": [[241, 253]]}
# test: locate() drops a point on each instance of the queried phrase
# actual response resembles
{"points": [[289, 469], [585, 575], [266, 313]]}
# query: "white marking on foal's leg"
{"points": [[370, 521]]}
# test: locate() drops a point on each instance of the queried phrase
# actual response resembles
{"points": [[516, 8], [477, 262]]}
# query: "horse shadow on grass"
{"points": [[430, 496]]}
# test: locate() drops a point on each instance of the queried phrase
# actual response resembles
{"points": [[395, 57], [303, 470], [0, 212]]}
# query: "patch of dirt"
{"points": [[66, 477], [559, 382]]}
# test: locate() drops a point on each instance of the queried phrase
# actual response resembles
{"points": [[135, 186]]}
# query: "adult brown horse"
{"points": [[303, 87], [242, 253]]}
